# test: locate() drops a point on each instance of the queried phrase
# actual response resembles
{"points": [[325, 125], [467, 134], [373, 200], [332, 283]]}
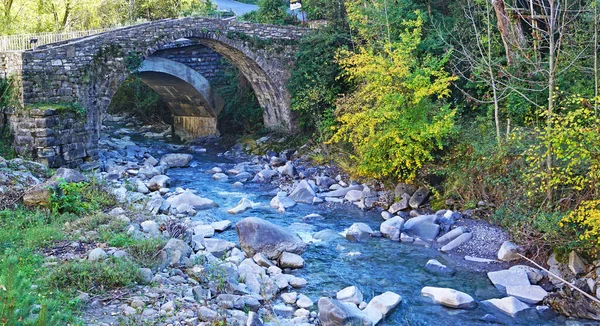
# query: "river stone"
{"points": [[243, 205], [150, 227], [304, 302], [176, 160], [261, 260], [303, 193], [157, 182], [422, 226], [340, 192], [462, 239], [335, 313], [289, 260], [354, 195], [177, 251], [392, 228], [509, 305], [218, 247], [358, 232], [288, 169], [509, 251], [257, 235], [283, 311], [504, 278], [350, 294], [254, 319], [381, 305], [289, 297], [403, 188], [97, 254], [221, 226], [69, 175], [297, 282], [400, 205], [576, 264], [533, 274], [449, 297], [531, 294], [435, 267], [205, 231], [282, 202], [386, 215], [452, 234], [187, 197], [419, 197]]}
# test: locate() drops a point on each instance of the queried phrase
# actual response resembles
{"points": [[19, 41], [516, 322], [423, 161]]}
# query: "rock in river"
{"points": [[257, 235], [187, 197], [176, 160], [449, 297], [336, 313], [243, 205], [303, 193]]}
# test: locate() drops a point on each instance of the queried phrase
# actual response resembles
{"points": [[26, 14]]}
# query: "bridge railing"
{"points": [[30, 41]]}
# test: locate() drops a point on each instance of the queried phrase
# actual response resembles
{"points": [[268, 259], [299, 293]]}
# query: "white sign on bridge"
{"points": [[295, 4]]}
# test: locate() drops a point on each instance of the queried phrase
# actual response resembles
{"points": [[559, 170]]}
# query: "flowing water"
{"points": [[374, 266]]}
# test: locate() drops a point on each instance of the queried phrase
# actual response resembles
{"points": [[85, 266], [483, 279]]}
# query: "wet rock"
{"points": [[335, 313], [422, 226], [350, 294], [505, 278], [298, 282], [68, 175], [189, 198], [509, 305], [176, 160], [221, 226], [257, 235], [381, 305], [358, 232], [282, 202], [449, 297], [531, 294], [242, 206], [509, 251], [290, 260], [386, 215], [392, 228], [419, 197], [462, 239], [220, 177], [303, 193], [97, 254], [304, 302], [406, 238], [435, 267], [289, 297]]}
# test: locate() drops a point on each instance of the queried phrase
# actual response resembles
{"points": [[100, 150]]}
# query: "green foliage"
{"points": [[316, 82], [144, 251], [271, 12], [585, 223], [94, 276], [241, 114], [134, 61], [395, 119], [79, 198], [74, 108], [135, 97]]}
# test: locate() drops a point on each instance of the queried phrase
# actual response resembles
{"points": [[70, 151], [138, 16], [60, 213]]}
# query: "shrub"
{"points": [[394, 121], [144, 251], [585, 223], [94, 276], [79, 198]]}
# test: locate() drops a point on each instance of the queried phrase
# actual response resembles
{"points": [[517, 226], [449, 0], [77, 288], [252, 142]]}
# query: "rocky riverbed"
{"points": [[272, 240]]}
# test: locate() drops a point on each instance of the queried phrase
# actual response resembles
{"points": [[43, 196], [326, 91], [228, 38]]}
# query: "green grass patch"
{"points": [[144, 251]]}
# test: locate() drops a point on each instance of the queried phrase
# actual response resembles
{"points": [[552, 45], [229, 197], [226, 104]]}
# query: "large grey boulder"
{"points": [[509, 251], [435, 267], [449, 297], [509, 305], [177, 251], [69, 175], [423, 227], [419, 197], [381, 305], [303, 193], [392, 228], [400, 205], [350, 294], [358, 232], [531, 294], [335, 313], [158, 181], [187, 197], [176, 160], [257, 235], [504, 278]]}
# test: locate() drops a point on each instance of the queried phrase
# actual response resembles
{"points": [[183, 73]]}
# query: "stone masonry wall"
{"points": [[198, 57]]}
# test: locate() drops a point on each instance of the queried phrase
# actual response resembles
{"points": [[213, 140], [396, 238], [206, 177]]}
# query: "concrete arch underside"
{"points": [[188, 94]]}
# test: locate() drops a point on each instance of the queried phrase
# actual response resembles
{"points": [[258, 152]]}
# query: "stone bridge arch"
{"points": [[90, 70]]}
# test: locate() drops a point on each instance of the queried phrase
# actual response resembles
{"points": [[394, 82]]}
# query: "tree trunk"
{"points": [[511, 32]]}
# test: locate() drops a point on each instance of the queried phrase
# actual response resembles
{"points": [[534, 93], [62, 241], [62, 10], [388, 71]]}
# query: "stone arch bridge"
{"points": [[88, 71]]}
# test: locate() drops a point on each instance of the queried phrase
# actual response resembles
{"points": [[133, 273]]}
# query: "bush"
{"points": [[144, 251], [94, 276], [79, 198], [271, 12], [585, 223]]}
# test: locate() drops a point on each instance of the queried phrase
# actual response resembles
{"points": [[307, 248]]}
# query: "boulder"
{"points": [[354, 195], [150, 227], [350, 294], [534, 275], [288, 169], [220, 177], [158, 181], [452, 234], [218, 247], [400, 205], [68, 175], [176, 160], [257, 235], [243, 205], [290, 260], [221, 226], [381, 305], [187, 197], [504, 278], [509, 305], [509, 251], [403, 188], [462, 239], [576, 264], [97, 254], [304, 302], [358, 232], [435, 267], [419, 197], [303, 193], [392, 228], [282, 202], [176, 251], [205, 231], [449, 297], [335, 313], [531, 294], [340, 192], [423, 227], [39, 196]]}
